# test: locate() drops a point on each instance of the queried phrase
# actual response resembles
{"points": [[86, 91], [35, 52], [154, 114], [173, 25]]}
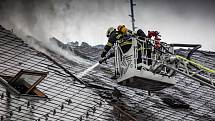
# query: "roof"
{"points": [[67, 98], [96, 103]]}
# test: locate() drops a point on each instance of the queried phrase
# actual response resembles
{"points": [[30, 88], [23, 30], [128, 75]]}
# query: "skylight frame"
{"points": [[32, 88], [29, 72]]}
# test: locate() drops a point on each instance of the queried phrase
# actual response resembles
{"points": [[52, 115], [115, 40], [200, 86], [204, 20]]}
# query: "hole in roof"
{"points": [[24, 83]]}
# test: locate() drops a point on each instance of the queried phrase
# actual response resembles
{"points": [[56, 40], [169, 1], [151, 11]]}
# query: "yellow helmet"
{"points": [[122, 28], [109, 31]]}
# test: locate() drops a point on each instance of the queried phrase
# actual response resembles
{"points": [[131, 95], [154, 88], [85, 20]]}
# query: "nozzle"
{"points": [[105, 58], [101, 61]]}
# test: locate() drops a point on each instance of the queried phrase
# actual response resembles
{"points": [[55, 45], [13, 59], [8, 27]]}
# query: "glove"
{"points": [[103, 54]]}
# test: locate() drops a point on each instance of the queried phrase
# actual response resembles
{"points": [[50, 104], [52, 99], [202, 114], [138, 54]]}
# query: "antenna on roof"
{"points": [[132, 14]]}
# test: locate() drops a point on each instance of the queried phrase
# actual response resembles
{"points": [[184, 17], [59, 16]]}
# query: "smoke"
{"points": [[22, 17], [68, 20], [40, 20], [52, 45], [179, 21]]}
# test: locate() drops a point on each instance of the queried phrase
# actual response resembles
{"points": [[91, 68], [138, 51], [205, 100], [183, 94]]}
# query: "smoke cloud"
{"points": [[67, 20], [179, 21], [52, 45]]}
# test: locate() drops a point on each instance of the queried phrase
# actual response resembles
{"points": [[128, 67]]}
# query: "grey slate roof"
{"points": [[59, 86]]}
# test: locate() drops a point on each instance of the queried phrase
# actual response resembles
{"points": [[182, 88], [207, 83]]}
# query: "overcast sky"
{"points": [[178, 21]]}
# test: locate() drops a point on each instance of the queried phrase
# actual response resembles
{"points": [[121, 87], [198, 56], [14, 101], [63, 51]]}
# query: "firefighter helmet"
{"points": [[109, 31], [122, 28]]}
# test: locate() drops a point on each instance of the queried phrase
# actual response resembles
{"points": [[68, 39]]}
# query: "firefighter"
{"points": [[146, 50], [121, 35], [148, 45]]}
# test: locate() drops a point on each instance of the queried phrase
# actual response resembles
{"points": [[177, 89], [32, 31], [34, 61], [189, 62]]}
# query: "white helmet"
{"points": [[109, 31]]}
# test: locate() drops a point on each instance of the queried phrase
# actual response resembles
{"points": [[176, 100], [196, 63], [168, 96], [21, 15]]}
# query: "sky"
{"points": [[178, 21]]}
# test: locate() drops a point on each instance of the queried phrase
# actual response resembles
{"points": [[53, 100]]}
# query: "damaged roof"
{"points": [[70, 98]]}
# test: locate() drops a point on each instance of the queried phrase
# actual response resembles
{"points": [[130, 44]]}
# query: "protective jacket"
{"points": [[124, 41]]}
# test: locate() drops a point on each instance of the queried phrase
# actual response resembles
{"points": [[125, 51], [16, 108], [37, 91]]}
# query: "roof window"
{"points": [[24, 83]]}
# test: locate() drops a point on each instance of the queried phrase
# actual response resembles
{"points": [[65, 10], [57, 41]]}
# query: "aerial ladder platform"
{"points": [[158, 65]]}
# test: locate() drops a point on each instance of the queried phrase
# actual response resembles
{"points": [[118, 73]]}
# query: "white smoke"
{"points": [[179, 21], [67, 20], [41, 45]]}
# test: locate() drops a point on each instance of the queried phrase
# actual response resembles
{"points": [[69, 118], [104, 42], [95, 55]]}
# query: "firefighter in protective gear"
{"points": [[157, 39], [119, 36], [123, 36], [141, 35]]}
